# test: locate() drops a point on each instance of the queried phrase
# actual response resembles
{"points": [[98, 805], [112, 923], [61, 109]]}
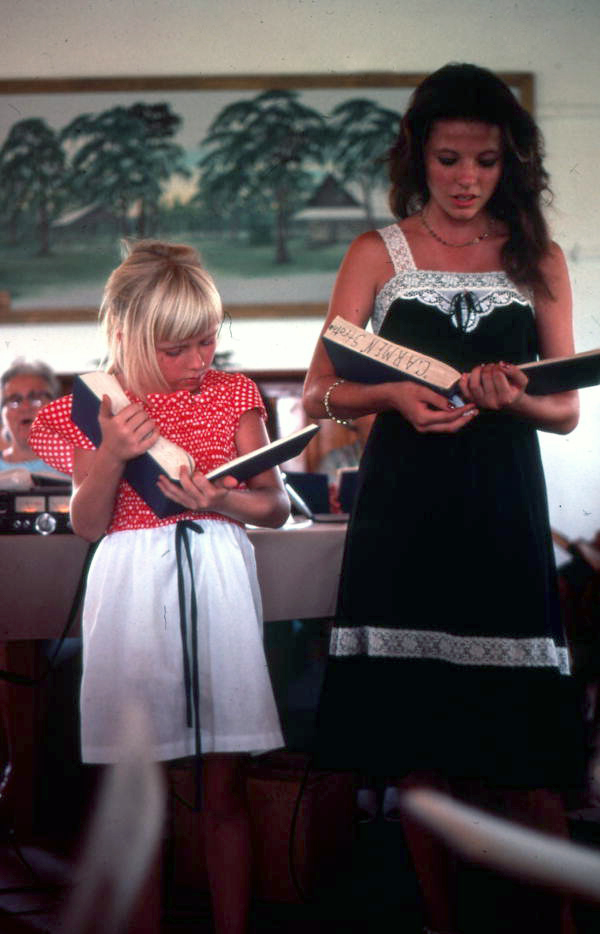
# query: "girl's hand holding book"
{"points": [[196, 493], [263, 502], [128, 433]]}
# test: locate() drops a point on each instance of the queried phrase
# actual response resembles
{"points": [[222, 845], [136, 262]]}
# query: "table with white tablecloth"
{"points": [[298, 570]]}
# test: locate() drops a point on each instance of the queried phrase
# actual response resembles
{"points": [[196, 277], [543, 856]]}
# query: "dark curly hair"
{"points": [[468, 92]]}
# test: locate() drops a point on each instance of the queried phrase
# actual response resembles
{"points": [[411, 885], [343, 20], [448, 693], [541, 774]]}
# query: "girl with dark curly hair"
{"points": [[448, 665]]}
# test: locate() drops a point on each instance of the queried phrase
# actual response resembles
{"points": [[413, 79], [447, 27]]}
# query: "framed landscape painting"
{"points": [[270, 177]]}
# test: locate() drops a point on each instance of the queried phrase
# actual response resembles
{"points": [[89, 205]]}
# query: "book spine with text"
{"points": [[363, 357]]}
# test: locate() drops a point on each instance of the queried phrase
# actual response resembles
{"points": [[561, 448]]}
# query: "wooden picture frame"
{"points": [[141, 135]]}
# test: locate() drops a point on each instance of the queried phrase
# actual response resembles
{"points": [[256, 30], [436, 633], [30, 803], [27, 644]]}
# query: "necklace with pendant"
{"points": [[436, 236]]}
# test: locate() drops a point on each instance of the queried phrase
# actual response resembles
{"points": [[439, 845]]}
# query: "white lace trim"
{"points": [[483, 651], [443, 290], [398, 248]]}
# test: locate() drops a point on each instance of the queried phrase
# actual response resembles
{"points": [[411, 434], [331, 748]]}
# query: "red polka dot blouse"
{"points": [[202, 423]]}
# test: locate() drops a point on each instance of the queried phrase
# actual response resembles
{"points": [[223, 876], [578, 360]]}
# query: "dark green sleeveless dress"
{"points": [[448, 651]]}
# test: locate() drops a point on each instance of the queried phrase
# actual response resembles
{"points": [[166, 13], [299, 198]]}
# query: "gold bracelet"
{"points": [[334, 418]]}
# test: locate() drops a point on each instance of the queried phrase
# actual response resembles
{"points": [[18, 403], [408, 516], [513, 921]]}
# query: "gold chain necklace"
{"points": [[436, 236]]}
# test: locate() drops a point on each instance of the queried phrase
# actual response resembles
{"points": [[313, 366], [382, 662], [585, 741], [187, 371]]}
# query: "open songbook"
{"points": [[165, 457], [363, 357], [270, 455]]}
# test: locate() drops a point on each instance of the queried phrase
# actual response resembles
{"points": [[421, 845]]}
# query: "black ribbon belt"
{"points": [[191, 676]]}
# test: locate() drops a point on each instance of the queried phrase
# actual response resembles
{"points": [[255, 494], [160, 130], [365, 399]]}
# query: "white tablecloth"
{"points": [[298, 569]]}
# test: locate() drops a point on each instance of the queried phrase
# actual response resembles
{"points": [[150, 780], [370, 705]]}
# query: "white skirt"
{"points": [[133, 650]]}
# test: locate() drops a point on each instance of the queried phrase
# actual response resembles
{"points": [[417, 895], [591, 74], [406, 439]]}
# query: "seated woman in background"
{"points": [[348, 455], [24, 389]]}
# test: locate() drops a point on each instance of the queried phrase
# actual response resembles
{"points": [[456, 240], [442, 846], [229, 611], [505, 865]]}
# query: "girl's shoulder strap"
{"points": [[397, 247]]}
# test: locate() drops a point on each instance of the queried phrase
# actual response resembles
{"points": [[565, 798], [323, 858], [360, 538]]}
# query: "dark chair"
{"points": [[313, 488]]}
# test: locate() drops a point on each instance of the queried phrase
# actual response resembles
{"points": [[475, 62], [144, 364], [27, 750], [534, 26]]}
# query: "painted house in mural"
{"points": [[331, 215], [89, 221], [334, 215], [95, 220]]}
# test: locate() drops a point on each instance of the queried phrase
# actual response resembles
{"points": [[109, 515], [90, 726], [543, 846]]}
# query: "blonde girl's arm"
{"points": [[97, 474], [263, 502], [504, 387], [364, 270]]}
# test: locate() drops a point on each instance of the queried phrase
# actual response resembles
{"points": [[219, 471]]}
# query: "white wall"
{"points": [[556, 40]]}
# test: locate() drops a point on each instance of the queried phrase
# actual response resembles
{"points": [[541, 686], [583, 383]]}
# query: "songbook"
{"points": [[166, 457], [363, 357], [559, 374], [266, 457]]}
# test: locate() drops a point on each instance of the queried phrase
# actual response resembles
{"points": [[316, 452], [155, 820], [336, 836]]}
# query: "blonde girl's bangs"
{"points": [[168, 319], [193, 307], [163, 302]]}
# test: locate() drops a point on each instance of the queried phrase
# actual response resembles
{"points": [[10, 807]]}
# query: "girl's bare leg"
{"points": [[227, 840], [146, 915], [434, 864], [543, 809], [520, 907]]}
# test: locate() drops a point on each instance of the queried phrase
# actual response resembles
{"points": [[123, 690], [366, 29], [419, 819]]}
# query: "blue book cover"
{"points": [[362, 357], [559, 374], [141, 472]]}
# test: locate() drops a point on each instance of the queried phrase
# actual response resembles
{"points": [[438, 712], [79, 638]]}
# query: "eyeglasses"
{"points": [[35, 399]]}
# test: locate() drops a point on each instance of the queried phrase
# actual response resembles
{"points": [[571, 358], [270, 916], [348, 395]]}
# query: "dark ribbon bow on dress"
{"points": [[189, 640]]}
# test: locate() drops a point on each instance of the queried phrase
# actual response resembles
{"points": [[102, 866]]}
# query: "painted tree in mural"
{"points": [[362, 134], [32, 176], [225, 205], [121, 158], [256, 160]]}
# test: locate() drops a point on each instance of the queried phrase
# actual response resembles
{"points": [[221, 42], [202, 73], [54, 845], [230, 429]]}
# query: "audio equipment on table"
{"points": [[42, 510]]}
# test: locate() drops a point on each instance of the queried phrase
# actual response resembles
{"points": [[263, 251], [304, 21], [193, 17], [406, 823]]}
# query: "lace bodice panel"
{"points": [[465, 297]]}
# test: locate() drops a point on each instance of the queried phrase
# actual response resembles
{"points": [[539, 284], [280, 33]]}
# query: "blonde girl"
{"points": [[172, 616]]}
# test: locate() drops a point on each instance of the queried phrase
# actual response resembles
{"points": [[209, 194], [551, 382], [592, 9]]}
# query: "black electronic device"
{"points": [[42, 510], [312, 488]]}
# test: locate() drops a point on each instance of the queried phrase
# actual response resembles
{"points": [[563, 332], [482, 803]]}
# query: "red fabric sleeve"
{"points": [[54, 436], [247, 397]]}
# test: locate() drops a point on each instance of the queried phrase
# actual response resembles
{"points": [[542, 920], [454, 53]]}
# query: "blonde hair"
{"points": [[160, 292]]}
